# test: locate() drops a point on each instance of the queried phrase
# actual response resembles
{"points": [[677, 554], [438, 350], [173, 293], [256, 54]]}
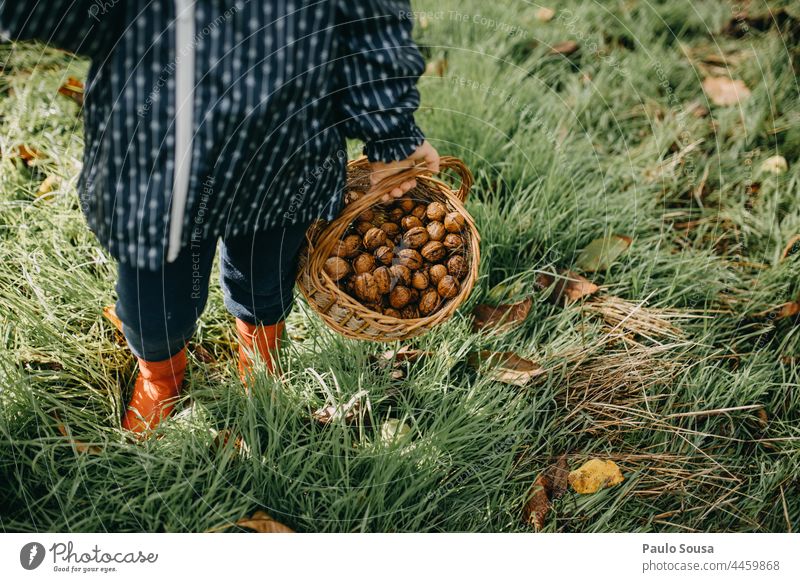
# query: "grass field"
{"points": [[682, 369]]}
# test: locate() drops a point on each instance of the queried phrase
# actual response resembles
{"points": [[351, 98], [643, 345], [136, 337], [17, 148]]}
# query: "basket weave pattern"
{"points": [[343, 313]]}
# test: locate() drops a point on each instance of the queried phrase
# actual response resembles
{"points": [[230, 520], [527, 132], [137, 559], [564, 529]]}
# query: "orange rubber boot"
{"points": [[264, 339], [157, 387]]}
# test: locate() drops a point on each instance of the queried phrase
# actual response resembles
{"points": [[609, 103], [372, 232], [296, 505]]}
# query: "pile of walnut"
{"points": [[403, 259]]}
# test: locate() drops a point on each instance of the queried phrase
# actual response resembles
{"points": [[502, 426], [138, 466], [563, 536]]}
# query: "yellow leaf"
{"points": [[544, 14], [594, 475], [49, 184], [723, 91], [262, 522]]}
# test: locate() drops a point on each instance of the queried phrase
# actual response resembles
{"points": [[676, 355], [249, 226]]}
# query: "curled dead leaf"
{"points": [[72, 89], [724, 91], [791, 247], [594, 475], [506, 367], [262, 522], [568, 288], [110, 313], [48, 185], [548, 486], [79, 446], [500, 318], [564, 48], [29, 154], [544, 14]]}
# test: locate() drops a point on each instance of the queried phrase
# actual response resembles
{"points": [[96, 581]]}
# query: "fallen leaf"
{"points": [[568, 288], [72, 89], [788, 309], [436, 67], [49, 184], [601, 253], [594, 475], [29, 154], [564, 48], [262, 522], [77, 445], [544, 14], [724, 91], [507, 367], [111, 315], [203, 354], [393, 429], [548, 486], [791, 247], [500, 318], [347, 411], [404, 354], [538, 505], [774, 165]]}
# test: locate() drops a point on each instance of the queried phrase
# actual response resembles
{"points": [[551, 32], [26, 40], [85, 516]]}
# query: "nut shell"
{"points": [[363, 226], [392, 312], [405, 203], [409, 312], [436, 211], [399, 297], [374, 238], [348, 247], [415, 237], [409, 222], [365, 288], [457, 266], [433, 251], [396, 214], [454, 222], [390, 228], [384, 255], [419, 280], [453, 242], [437, 273], [337, 268], [367, 216], [419, 211], [383, 279], [436, 230], [400, 274], [448, 287], [363, 263], [409, 258], [429, 301]]}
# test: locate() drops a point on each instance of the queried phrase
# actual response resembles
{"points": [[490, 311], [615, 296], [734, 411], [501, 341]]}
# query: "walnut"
{"points": [[399, 297], [414, 295], [363, 226], [367, 216], [409, 222], [336, 268], [392, 312], [365, 288], [454, 222], [374, 238], [419, 211], [437, 273], [436, 230], [409, 312], [415, 237], [396, 214], [383, 279], [348, 247], [453, 242], [448, 287], [390, 228], [409, 258], [433, 251], [363, 263], [400, 274], [457, 266], [405, 203], [419, 280], [384, 255], [429, 301], [436, 211]]}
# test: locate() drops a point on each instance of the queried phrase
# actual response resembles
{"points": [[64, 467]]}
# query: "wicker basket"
{"points": [[343, 313]]}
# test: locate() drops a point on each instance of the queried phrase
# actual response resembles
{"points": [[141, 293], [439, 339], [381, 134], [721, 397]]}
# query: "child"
{"points": [[208, 119]]}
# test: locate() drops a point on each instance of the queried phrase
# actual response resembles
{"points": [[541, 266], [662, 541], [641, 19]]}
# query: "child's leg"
{"points": [[159, 311], [257, 278]]}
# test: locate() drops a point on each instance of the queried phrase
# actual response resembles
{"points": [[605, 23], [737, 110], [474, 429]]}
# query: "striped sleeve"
{"points": [[76, 26], [378, 70]]}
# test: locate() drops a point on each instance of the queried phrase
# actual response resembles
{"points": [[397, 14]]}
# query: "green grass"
{"points": [[564, 151]]}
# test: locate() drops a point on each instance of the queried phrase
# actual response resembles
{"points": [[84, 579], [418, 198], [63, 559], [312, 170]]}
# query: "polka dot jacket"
{"points": [[216, 118]]}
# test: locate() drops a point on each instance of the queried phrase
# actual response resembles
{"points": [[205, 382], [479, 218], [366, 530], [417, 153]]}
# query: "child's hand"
{"points": [[380, 170]]}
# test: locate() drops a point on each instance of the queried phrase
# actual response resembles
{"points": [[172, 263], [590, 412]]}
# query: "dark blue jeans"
{"points": [[159, 309]]}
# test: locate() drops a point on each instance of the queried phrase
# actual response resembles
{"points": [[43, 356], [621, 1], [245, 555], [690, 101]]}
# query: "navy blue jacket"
{"points": [[214, 117]]}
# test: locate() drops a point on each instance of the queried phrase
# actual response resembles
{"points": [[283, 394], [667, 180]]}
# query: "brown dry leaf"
{"points": [[72, 89], [791, 247], [203, 354], [262, 522], [549, 485], [111, 315], [404, 354], [226, 435], [507, 367], [49, 184], [789, 309], [436, 67], [29, 154], [544, 14], [601, 253], [724, 91], [564, 48], [347, 411], [569, 288], [77, 445], [594, 475], [500, 318]]}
